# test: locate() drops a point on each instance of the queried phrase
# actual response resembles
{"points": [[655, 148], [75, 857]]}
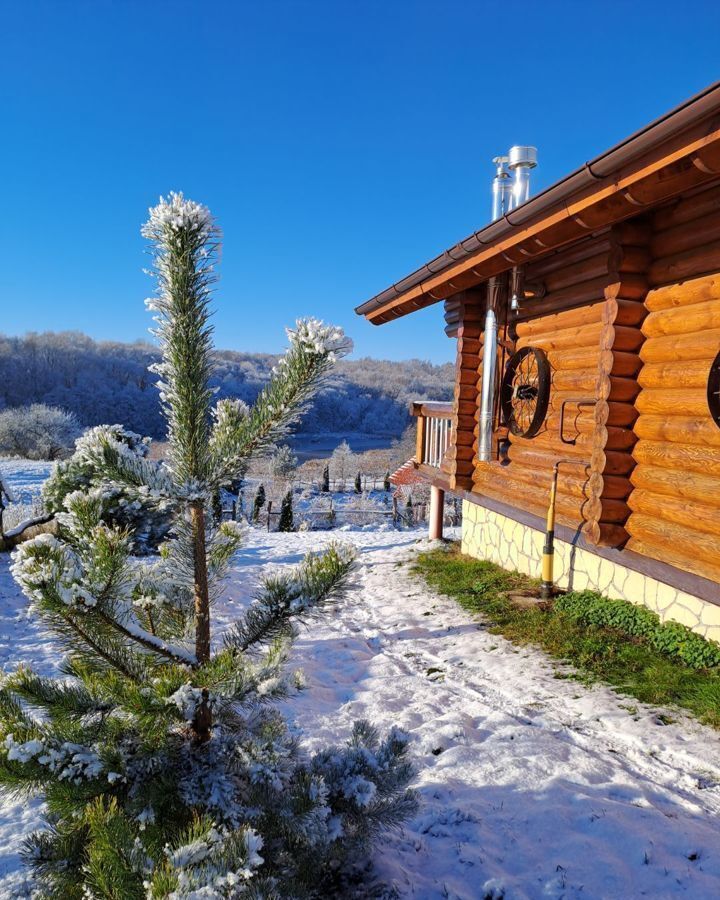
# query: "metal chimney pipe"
{"points": [[501, 188], [487, 395], [507, 193], [520, 161]]}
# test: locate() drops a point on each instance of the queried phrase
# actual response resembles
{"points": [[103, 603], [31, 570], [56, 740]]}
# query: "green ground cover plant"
{"points": [[611, 641]]}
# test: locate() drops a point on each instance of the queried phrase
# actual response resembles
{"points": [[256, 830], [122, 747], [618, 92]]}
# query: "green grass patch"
{"points": [[605, 640]]}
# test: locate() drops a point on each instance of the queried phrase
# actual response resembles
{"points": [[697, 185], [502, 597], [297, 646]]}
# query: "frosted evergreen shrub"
{"points": [[128, 504]]}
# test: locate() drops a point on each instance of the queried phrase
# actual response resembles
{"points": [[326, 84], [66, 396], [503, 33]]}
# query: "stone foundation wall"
{"points": [[489, 535]]}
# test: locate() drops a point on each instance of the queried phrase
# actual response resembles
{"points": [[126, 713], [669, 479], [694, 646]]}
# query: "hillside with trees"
{"points": [[107, 381]]}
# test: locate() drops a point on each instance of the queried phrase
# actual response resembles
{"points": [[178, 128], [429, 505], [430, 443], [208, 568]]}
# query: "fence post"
{"points": [[269, 511], [420, 440], [394, 509]]}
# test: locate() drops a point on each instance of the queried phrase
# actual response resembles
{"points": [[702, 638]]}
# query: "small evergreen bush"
{"points": [[358, 483], [286, 513], [325, 481], [387, 485], [258, 503], [672, 638], [129, 504]]}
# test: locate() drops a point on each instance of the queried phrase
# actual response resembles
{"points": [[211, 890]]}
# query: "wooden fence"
{"points": [[399, 514]]}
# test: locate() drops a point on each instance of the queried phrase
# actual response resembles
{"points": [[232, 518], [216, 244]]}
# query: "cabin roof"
{"points": [[675, 153]]}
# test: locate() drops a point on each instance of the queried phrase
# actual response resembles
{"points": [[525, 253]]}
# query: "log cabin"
{"points": [[587, 326]]}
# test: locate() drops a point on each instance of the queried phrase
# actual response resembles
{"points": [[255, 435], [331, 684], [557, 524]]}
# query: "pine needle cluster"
{"points": [[133, 506]]}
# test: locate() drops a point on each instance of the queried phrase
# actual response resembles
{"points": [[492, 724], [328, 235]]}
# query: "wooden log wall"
{"points": [[676, 498], [466, 323], [588, 323], [621, 341], [685, 240]]}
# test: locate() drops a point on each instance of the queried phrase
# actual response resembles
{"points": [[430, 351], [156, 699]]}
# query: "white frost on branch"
{"points": [[175, 214], [70, 762], [187, 699], [315, 336]]}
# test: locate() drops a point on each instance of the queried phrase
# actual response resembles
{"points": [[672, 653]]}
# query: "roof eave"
{"points": [[600, 193]]}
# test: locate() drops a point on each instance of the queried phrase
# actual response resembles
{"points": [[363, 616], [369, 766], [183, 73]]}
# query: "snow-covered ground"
{"points": [[24, 477], [531, 786]]}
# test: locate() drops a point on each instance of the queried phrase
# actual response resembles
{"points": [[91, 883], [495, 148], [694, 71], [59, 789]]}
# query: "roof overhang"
{"points": [[674, 154]]}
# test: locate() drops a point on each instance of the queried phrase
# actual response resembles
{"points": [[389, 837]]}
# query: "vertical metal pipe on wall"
{"points": [[487, 396], [507, 193]]}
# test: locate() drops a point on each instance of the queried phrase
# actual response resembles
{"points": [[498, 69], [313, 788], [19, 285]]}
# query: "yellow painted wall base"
{"points": [[489, 535]]}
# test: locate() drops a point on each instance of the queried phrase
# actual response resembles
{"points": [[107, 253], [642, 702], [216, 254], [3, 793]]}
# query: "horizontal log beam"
{"points": [[682, 457]]}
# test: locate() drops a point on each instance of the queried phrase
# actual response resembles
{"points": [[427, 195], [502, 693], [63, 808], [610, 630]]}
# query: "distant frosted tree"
{"points": [[37, 432], [283, 462], [166, 770], [342, 463]]}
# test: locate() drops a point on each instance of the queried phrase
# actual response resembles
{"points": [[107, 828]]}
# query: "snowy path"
{"points": [[549, 788], [529, 783]]}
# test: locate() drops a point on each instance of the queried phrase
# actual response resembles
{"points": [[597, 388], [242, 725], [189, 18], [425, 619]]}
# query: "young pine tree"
{"points": [[258, 503], [325, 481], [286, 513], [166, 770], [358, 483], [387, 486]]}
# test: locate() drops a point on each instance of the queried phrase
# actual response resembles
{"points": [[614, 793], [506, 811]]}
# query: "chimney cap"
{"points": [[522, 156]]}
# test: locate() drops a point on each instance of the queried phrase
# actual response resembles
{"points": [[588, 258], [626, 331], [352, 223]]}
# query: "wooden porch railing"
{"points": [[434, 432]]}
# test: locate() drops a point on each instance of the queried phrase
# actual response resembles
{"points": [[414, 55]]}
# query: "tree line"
{"points": [[108, 381]]}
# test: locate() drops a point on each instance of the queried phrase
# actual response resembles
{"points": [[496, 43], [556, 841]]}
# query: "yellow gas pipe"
{"points": [[547, 583]]}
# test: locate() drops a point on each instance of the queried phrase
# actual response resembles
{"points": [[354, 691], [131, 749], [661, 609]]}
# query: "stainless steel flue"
{"points": [[508, 191], [520, 161], [502, 187]]}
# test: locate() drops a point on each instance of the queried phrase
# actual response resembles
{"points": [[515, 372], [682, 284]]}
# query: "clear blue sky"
{"points": [[339, 144]]}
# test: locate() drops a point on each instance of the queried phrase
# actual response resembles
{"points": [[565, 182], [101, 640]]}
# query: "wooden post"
{"points": [[420, 440], [437, 503], [394, 509]]}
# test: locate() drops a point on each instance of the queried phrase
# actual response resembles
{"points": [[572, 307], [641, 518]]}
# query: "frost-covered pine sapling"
{"points": [[358, 483], [325, 481], [166, 770], [286, 513], [386, 483]]}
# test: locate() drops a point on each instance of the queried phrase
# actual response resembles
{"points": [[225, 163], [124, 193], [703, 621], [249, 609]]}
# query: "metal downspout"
{"points": [[487, 396]]}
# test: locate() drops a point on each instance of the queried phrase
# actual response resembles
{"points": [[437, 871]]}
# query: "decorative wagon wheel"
{"points": [[525, 391], [713, 390]]}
